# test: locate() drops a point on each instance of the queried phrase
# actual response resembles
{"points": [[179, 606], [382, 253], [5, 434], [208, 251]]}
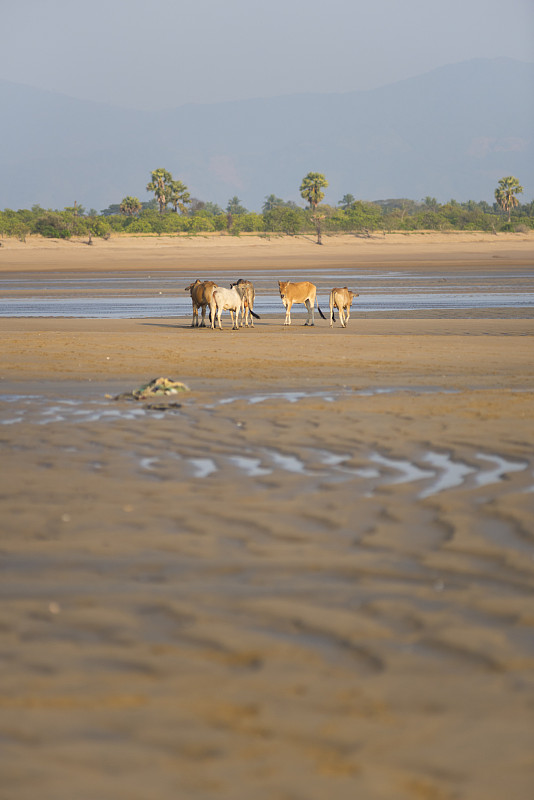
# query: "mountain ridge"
{"points": [[452, 132]]}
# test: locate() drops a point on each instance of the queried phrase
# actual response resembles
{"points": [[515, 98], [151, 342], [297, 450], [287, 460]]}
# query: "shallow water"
{"points": [[130, 295], [433, 472], [148, 307]]}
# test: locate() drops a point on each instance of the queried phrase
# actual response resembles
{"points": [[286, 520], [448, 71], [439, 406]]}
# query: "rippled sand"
{"points": [[314, 578]]}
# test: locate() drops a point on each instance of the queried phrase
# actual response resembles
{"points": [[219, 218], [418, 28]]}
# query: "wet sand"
{"points": [[313, 578]]}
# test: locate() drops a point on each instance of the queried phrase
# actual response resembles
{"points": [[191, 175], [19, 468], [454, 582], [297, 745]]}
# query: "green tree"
{"points": [[310, 188], [200, 223], [111, 210], [213, 209], [505, 194], [53, 225], [75, 210], [99, 227], [178, 196], [284, 219], [347, 201], [430, 203], [271, 202], [160, 186], [234, 207], [130, 206]]}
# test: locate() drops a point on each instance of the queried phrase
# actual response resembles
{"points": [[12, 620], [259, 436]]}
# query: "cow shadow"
{"points": [[179, 325]]}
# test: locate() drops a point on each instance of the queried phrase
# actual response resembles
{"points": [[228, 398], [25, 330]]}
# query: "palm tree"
{"points": [[347, 201], [160, 186], [310, 188], [234, 206], [505, 194], [178, 195], [130, 206], [272, 201]]}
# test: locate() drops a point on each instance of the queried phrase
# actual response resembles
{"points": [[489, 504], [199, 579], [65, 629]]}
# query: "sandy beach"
{"points": [[310, 576]]}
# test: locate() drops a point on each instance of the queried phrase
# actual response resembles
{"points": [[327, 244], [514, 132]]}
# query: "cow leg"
{"points": [[203, 323], [195, 317], [331, 314], [288, 314], [347, 315], [311, 309]]}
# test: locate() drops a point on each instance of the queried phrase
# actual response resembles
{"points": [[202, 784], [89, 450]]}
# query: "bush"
{"points": [[249, 223], [200, 223], [99, 226], [220, 222], [53, 225], [284, 220]]}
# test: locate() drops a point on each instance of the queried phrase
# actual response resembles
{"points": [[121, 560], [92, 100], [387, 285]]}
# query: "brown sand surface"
{"points": [[312, 577], [213, 252]]}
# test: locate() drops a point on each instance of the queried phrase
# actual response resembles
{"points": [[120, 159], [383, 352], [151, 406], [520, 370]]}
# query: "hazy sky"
{"points": [[154, 54]]}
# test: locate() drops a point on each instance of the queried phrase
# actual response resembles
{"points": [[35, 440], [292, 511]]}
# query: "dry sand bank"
{"points": [[215, 252], [262, 594]]}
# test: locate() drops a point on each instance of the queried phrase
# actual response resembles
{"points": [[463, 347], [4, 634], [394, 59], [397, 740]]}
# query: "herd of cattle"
{"points": [[239, 300]]}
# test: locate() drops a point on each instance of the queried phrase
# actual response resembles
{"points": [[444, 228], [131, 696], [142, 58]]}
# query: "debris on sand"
{"points": [[155, 388]]}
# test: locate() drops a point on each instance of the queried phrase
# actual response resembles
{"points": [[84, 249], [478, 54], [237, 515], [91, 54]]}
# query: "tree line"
{"points": [[172, 210]]}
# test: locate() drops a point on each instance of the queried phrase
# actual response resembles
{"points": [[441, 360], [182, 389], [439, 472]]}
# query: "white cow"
{"points": [[226, 300]]}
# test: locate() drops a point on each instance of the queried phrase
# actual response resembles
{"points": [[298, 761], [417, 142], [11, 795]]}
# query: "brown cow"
{"points": [[201, 294], [304, 292], [342, 300]]}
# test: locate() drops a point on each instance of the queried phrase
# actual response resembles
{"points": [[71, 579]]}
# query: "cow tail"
{"points": [[318, 309]]}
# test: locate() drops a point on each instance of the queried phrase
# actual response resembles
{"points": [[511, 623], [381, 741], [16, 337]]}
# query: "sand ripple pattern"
{"points": [[431, 473], [265, 596]]}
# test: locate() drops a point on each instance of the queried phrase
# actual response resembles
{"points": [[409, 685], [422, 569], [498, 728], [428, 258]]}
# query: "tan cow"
{"points": [[342, 300], [304, 292], [201, 294], [246, 288]]}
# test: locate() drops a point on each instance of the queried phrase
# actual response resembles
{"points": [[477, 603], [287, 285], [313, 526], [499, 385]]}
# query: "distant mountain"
{"points": [[451, 133]]}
